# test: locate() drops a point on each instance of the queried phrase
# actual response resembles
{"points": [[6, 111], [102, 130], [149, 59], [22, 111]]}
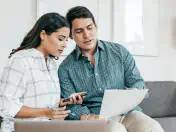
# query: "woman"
{"points": [[29, 84]]}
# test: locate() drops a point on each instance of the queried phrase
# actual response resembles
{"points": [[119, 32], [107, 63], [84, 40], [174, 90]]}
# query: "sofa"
{"points": [[161, 104]]}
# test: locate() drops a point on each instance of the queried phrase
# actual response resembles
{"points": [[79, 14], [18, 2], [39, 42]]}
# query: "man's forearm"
{"points": [[78, 110], [83, 117]]}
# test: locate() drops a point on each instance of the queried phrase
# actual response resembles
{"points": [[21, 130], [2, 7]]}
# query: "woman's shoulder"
{"points": [[29, 53], [24, 57], [16, 61]]}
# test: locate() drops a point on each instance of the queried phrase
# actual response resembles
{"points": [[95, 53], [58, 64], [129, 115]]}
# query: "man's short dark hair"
{"points": [[78, 12]]}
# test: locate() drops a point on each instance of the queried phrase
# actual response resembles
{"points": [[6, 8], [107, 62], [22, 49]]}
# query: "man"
{"points": [[96, 65]]}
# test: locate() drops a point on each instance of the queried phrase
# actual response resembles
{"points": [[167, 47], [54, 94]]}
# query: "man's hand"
{"points": [[90, 117], [75, 98]]}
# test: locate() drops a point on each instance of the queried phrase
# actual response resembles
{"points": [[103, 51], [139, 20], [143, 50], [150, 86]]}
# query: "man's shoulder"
{"points": [[114, 48], [112, 45]]}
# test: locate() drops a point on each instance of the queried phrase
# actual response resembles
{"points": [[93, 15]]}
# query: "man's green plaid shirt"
{"points": [[114, 68]]}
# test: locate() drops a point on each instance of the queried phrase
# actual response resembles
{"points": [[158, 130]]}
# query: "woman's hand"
{"points": [[59, 114], [75, 98]]}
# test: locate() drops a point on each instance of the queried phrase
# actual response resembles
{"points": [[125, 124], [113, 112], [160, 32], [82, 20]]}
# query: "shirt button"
{"points": [[90, 62], [100, 89], [96, 74]]}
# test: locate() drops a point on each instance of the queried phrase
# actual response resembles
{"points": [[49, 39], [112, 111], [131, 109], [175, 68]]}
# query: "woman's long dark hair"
{"points": [[49, 22]]}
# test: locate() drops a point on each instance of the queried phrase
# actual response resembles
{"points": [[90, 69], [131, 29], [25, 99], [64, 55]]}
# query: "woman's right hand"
{"points": [[59, 114]]}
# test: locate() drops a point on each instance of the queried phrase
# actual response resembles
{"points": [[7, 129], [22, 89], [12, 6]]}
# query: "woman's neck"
{"points": [[41, 49]]}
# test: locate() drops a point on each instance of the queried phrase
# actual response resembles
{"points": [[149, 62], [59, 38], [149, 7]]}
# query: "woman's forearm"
{"points": [[28, 112]]}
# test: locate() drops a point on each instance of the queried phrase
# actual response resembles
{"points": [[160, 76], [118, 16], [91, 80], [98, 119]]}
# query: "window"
{"points": [[135, 25]]}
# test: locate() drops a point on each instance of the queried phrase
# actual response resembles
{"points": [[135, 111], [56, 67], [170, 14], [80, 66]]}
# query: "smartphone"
{"points": [[77, 98]]}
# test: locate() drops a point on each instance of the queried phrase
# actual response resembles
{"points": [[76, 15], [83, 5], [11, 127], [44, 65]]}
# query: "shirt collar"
{"points": [[79, 52], [100, 45]]}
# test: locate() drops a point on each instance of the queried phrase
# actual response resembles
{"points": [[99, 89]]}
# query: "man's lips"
{"points": [[88, 41]]}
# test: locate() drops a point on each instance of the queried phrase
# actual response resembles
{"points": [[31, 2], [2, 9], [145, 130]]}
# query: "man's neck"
{"points": [[90, 54]]}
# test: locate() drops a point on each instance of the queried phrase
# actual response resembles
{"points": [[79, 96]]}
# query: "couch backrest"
{"points": [[162, 99]]}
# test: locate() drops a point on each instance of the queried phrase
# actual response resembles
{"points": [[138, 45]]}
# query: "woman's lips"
{"points": [[60, 51]]}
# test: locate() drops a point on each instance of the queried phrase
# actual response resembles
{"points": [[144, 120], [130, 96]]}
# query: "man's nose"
{"points": [[86, 34]]}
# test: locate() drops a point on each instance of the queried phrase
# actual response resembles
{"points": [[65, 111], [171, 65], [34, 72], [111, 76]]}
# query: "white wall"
{"points": [[162, 67], [17, 17]]}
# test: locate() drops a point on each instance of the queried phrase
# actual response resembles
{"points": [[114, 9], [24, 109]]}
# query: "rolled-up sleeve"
{"points": [[12, 87], [67, 88]]}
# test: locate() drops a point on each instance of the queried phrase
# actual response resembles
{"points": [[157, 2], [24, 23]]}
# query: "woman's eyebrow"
{"points": [[62, 36]]}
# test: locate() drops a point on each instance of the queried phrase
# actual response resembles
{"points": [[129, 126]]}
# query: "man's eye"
{"points": [[78, 31]]}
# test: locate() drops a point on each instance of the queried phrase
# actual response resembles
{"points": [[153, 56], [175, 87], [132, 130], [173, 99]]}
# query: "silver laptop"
{"points": [[60, 126]]}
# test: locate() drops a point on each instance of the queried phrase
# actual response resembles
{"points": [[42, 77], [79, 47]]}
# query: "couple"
{"points": [[29, 84]]}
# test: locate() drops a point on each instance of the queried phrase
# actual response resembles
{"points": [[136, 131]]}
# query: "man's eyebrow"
{"points": [[77, 29]]}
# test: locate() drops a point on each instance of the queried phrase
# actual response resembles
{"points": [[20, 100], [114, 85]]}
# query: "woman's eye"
{"points": [[60, 39]]}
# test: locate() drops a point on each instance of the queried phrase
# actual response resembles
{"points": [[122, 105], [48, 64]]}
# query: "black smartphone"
{"points": [[77, 98]]}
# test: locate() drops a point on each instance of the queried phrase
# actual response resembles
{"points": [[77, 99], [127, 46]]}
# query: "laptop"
{"points": [[60, 126]]}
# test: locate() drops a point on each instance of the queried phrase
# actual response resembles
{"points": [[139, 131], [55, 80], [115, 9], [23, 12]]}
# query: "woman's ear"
{"points": [[42, 35]]}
